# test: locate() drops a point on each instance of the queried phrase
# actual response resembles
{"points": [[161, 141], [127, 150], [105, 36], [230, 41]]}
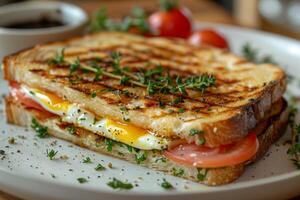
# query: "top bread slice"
{"points": [[244, 92]]}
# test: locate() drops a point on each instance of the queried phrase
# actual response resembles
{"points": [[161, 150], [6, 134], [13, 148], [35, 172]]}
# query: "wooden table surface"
{"points": [[202, 10]]}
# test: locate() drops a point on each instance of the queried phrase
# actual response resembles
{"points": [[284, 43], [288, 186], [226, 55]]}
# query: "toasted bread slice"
{"points": [[226, 112], [17, 114]]}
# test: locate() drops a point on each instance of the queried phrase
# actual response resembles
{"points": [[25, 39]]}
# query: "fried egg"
{"points": [[80, 117]]}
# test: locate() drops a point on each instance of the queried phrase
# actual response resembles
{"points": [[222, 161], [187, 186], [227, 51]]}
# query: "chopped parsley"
{"points": [[51, 153], [109, 144], [201, 175], [294, 150], [81, 180], [140, 157], [71, 129], [87, 160], [117, 184], [42, 131], [131, 149], [195, 132], [99, 167], [166, 185], [177, 172]]}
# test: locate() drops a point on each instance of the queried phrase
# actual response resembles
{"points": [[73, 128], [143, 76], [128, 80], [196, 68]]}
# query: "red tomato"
{"points": [[209, 37], [22, 98], [205, 157], [173, 23]]}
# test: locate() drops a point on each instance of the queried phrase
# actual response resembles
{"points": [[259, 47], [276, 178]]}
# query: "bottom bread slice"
{"points": [[154, 159]]}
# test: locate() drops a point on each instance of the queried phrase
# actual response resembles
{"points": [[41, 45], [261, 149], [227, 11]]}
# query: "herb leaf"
{"points": [[201, 174], [251, 54], [177, 172], [140, 157], [51, 153], [165, 184], [42, 131], [195, 132], [117, 184], [99, 167], [87, 160], [71, 129], [58, 59], [109, 144], [81, 180]]}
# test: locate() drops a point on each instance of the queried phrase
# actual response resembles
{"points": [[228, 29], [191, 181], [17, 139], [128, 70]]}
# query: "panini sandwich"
{"points": [[199, 113]]}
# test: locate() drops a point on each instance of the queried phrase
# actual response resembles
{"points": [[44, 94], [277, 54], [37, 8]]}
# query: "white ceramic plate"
{"points": [[27, 172]]}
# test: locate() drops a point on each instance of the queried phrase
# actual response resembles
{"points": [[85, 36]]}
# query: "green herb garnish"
{"points": [[42, 131], [294, 150], [177, 172], [195, 132], [201, 174], [140, 157], [58, 59], [51, 153], [109, 144], [165, 184], [251, 54], [156, 81], [117, 184], [99, 167], [137, 20], [82, 180], [71, 129], [87, 160]]}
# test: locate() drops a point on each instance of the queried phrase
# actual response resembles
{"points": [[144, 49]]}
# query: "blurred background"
{"points": [[279, 16]]}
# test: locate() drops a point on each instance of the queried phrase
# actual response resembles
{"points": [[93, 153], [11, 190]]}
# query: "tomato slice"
{"points": [[205, 157], [22, 98]]}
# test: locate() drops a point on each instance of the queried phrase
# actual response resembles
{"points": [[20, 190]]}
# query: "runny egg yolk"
{"points": [[51, 101], [125, 132]]}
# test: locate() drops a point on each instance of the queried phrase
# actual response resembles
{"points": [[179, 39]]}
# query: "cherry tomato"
{"points": [[172, 23], [23, 99], [208, 37], [227, 155]]}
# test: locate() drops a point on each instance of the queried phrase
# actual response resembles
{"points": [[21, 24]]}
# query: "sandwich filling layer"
{"points": [[176, 150], [78, 116]]}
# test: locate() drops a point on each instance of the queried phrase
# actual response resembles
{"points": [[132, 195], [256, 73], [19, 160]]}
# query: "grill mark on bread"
{"points": [[205, 100]]}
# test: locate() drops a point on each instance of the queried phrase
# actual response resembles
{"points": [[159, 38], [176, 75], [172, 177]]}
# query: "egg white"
{"points": [[73, 113]]}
